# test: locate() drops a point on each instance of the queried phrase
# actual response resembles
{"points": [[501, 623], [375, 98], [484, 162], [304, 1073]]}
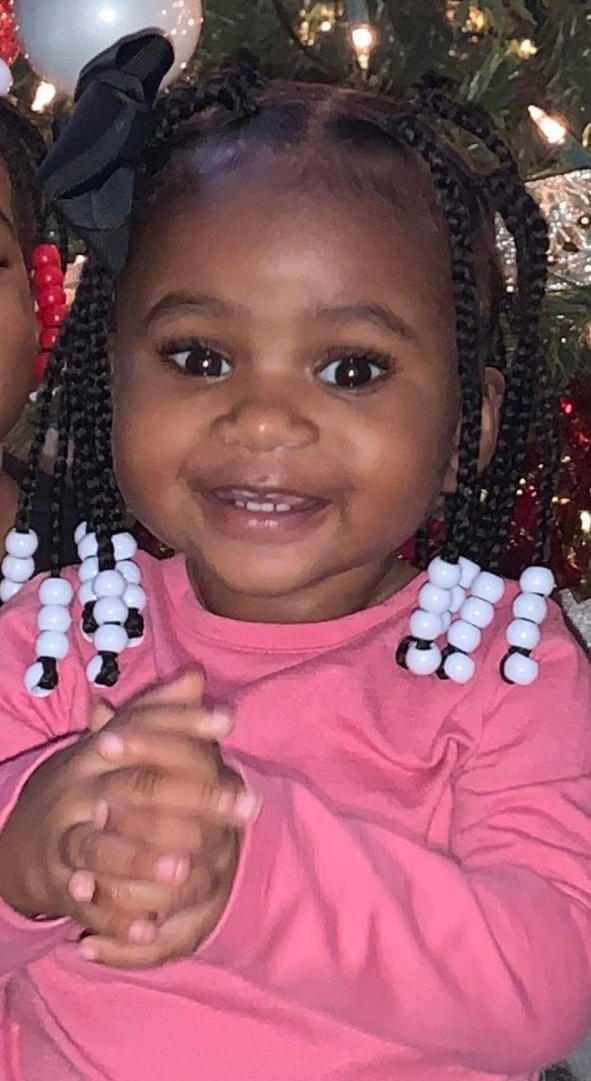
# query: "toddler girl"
{"points": [[331, 818]]}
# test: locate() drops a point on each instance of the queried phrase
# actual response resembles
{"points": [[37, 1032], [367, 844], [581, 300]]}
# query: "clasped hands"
{"points": [[135, 831]]}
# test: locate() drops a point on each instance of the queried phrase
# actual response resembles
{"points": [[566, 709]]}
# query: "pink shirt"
{"points": [[414, 902]]}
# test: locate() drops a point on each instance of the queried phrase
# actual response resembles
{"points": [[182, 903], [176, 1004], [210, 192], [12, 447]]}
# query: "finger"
{"points": [[146, 787], [84, 848], [176, 938], [100, 716], [191, 722], [116, 926], [186, 687], [171, 833], [173, 752], [152, 900]]}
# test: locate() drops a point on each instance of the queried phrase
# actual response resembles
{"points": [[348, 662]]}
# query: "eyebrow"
{"points": [[196, 302], [377, 314]]}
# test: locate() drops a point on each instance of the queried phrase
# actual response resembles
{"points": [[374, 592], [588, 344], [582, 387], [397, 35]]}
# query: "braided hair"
{"points": [[237, 112]]}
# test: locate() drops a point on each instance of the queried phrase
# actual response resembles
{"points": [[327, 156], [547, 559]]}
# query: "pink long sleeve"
{"points": [[31, 730], [481, 956]]}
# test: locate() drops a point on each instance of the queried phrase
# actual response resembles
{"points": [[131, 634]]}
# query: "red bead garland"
{"points": [[50, 296]]}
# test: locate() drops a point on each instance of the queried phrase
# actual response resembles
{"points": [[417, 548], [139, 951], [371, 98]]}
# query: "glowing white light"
{"points": [[586, 521], [108, 14], [553, 131], [44, 95], [362, 38], [325, 26]]}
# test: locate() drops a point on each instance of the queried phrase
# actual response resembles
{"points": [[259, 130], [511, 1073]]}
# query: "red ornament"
{"points": [[53, 315], [48, 275], [46, 255], [9, 43], [50, 295]]}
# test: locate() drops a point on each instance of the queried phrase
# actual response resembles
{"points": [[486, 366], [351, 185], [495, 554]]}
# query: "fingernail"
{"points": [[141, 933], [87, 951], [217, 723], [246, 806], [81, 887], [110, 745], [172, 869], [101, 815]]}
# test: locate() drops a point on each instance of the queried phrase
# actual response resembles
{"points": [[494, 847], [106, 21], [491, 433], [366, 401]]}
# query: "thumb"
{"points": [[182, 690], [100, 716]]}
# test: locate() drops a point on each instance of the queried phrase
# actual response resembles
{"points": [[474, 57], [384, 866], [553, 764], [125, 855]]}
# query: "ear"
{"points": [[493, 389]]}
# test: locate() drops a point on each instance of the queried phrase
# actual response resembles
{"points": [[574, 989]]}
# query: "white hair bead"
{"points": [[18, 570], [124, 546], [135, 597], [477, 611], [21, 545], [80, 532], [422, 662], [130, 571], [530, 606], [446, 620], [110, 638], [523, 634], [32, 679], [94, 668], [110, 610], [537, 580], [490, 587], [88, 547], [468, 571], [86, 594], [459, 667], [54, 617], [56, 591], [443, 574], [425, 625], [458, 596], [464, 636], [517, 668], [52, 644], [88, 569], [8, 590], [109, 584], [434, 598]]}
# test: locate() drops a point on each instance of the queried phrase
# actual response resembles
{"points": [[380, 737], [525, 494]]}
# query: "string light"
{"points": [[553, 131], [363, 39], [526, 49], [585, 521], [44, 95]]}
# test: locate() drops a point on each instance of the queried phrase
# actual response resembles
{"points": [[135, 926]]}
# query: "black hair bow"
{"points": [[89, 174]]}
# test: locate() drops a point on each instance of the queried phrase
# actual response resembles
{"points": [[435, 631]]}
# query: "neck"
{"points": [[345, 593], [8, 505]]}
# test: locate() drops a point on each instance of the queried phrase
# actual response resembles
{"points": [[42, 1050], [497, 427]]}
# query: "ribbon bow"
{"points": [[89, 173]]}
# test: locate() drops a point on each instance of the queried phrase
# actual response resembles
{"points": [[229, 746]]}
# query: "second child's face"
{"points": [[285, 388], [18, 342]]}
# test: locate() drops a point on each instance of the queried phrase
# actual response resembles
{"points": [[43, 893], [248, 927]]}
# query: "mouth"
{"points": [[264, 511]]}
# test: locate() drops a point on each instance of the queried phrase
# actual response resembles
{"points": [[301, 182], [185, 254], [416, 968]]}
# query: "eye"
{"points": [[197, 358], [354, 370]]}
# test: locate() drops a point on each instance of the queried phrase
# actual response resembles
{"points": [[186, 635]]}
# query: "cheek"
{"points": [[18, 348]]}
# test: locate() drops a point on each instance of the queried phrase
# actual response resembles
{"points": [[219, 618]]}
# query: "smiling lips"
{"points": [[269, 510]]}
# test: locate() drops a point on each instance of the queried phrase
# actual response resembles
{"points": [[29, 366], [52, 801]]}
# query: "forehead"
{"points": [[245, 231]]}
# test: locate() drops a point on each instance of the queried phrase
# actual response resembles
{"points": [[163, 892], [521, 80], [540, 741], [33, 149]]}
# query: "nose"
{"points": [[266, 420]]}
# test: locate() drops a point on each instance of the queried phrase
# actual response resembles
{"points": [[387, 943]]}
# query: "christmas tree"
{"points": [[527, 62]]}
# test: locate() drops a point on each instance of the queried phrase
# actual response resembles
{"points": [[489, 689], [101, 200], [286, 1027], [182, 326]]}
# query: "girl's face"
{"points": [[285, 389], [18, 342]]}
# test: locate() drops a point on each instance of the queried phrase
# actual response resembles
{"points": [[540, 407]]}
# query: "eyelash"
{"points": [[207, 352]]}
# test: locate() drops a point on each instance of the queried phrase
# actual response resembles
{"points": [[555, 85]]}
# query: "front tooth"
{"points": [[281, 508], [260, 508]]}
